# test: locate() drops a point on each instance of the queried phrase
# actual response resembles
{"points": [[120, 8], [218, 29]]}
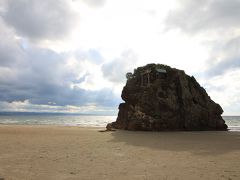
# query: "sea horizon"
{"points": [[3, 113], [78, 119]]}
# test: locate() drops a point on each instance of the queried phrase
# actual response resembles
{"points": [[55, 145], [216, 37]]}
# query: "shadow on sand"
{"points": [[199, 143]]}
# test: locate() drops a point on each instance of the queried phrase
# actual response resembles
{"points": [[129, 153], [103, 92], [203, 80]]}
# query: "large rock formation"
{"points": [[158, 97]]}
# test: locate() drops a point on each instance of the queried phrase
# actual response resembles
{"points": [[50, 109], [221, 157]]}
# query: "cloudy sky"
{"points": [[72, 55]]}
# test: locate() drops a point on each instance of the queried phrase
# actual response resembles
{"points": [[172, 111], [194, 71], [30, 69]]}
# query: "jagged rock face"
{"points": [[158, 98]]}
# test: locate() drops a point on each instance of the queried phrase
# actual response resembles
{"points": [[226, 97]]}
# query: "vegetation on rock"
{"points": [[158, 97]]}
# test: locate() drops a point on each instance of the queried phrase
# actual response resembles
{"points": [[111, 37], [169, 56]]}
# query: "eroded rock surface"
{"points": [[158, 97]]}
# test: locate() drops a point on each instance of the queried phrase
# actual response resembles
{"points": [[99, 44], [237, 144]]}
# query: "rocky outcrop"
{"points": [[158, 98]]}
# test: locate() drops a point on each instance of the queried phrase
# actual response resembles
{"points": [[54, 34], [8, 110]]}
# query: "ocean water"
{"points": [[233, 122], [62, 120]]}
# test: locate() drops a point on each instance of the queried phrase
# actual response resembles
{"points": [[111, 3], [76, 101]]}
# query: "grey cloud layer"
{"points": [[217, 21], [39, 19], [229, 54], [198, 16], [42, 76], [115, 70], [95, 3], [46, 79]]}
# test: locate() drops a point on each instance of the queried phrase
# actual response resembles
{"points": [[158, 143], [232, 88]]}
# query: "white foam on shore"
{"points": [[234, 128]]}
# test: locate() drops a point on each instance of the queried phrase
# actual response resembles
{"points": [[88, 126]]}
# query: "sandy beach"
{"points": [[56, 153]]}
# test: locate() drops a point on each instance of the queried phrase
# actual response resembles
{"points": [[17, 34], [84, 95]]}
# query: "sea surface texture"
{"points": [[62, 120], [233, 122]]}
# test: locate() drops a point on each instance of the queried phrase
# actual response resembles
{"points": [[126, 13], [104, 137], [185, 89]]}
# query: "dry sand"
{"points": [[56, 153]]}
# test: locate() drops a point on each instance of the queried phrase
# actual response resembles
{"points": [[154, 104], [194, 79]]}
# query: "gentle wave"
{"points": [[65, 120], [233, 122], [234, 128]]}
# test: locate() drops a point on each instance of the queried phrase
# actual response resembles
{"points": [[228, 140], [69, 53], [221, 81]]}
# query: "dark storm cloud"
{"points": [[45, 19], [204, 15]]}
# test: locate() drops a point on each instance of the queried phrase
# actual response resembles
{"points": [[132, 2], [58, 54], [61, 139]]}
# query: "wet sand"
{"points": [[73, 153]]}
